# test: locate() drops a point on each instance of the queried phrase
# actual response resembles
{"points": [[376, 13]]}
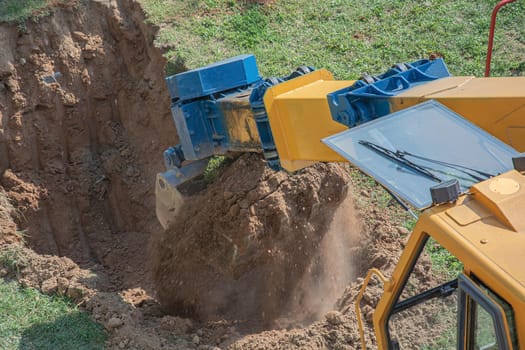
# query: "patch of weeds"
{"points": [[20, 10], [21, 234], [175, 65], [13, 258], [31, 320], [214, 168], [410, 223], [445, 341], [442, 260], [247, 29]]}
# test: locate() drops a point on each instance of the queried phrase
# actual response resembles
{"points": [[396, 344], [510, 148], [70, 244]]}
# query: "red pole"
{"points": [[491, 33]]}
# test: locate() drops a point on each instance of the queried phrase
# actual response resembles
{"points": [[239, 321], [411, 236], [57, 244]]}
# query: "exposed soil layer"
{"points": [[240, 249], [84, 119]]}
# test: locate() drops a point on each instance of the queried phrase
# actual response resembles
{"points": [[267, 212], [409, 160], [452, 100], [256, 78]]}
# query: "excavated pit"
{"points": [[84, 119]]}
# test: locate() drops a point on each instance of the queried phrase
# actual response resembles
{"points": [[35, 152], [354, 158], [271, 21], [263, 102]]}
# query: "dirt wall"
{"points": [[84, 119]]}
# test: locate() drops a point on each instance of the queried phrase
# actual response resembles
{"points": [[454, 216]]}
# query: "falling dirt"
{"points": [[239, 249], [84, 118], [331, 267]]}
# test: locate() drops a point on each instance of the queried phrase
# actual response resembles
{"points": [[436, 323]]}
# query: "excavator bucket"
{"points": [[168, 201]]}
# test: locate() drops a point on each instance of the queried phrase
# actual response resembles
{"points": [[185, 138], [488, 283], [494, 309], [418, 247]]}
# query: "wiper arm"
{"points": [[399, 158], [466, 170]]}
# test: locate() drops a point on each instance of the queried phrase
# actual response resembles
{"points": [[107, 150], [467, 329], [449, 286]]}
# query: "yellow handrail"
{"points": [[383, 279]]}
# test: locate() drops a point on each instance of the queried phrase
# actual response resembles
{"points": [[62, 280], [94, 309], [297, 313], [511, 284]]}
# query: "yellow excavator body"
{"points": [[299, 116], [496, 105], [485, 231]]}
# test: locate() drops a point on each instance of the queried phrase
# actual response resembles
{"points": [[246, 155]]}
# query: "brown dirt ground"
{"points": [[254, 250]]}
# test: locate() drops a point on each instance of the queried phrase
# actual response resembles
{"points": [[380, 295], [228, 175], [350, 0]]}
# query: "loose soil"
{"points": [[240, 249], [255, 260]]}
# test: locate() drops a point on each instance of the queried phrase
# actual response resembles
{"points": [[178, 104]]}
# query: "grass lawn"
{"points": [[30, 320], [348, 37]]}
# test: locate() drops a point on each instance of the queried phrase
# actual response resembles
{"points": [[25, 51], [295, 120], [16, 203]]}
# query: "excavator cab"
{"points": [[459, 283], [462, 312]]}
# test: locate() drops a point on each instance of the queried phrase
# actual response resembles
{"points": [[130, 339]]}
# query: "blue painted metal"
{"points": [[368, 99], [263, 124], [235, 72], [200, 128], [196, 96], [173, 157], [200, 100], [176, 176]]}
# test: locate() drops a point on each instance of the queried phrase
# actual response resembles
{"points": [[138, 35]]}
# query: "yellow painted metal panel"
{"points": [[240, 123], [497, 105], [484, 230], [300, 117]]}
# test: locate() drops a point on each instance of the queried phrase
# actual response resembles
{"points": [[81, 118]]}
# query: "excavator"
{"points": [[449, 146]]}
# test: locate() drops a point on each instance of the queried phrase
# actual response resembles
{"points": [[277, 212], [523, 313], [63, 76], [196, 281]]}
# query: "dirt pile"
{"points": [[379, 245], [84, 119], [8, 226], [241, 248]]}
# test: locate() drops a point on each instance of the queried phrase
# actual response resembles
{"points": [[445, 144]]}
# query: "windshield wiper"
{"points": [[400, 159], [465, 170]]}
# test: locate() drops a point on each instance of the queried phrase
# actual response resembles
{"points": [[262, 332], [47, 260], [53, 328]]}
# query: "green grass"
{"points": [[20, 10], [214, 167], [377, 193], [348, 37], [442, 260], [30, 320]]}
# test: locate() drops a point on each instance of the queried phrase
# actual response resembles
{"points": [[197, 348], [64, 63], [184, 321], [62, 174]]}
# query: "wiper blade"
{"points": [[399, 158], [465, 170]]}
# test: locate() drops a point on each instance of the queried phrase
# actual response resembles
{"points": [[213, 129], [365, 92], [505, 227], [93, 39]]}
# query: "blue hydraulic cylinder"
{"points": [[368, 98]]}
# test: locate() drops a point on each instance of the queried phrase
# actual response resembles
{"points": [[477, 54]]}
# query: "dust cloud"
{"points": [[331, 270]]}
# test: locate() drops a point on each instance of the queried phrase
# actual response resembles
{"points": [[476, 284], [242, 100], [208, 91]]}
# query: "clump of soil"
{"points": [[241, 248], [8, 226]]}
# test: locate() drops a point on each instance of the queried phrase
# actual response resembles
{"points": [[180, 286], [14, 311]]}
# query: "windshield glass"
{"points": [[416, 148]]}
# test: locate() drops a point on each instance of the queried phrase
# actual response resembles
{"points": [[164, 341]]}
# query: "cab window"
{"points": [[486, 320], [426, 313], [441, 308]]}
